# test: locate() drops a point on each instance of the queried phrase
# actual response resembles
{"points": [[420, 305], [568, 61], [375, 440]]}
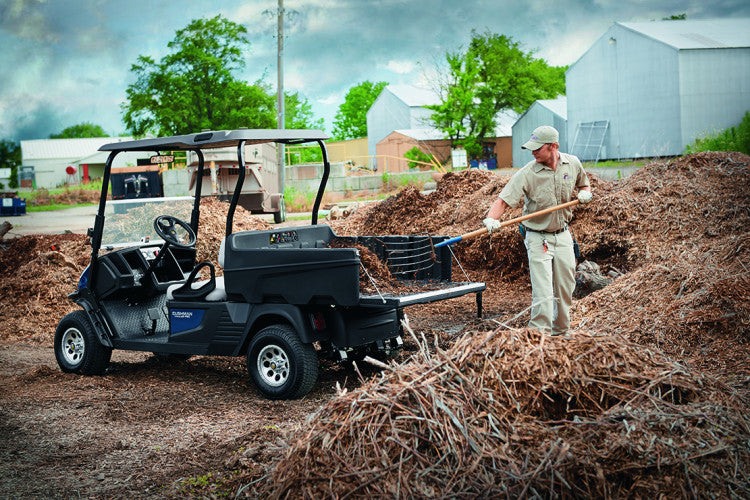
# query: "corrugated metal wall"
{"points": [[536, 115], [387, 113], [656, 98], [632, 82], [714, 90]]}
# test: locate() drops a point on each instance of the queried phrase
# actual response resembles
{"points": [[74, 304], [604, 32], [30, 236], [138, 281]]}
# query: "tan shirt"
{"points": [[539, 187]]}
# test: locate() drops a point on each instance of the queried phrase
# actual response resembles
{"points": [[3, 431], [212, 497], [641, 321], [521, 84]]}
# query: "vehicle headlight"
{"points": [[84, 279]]}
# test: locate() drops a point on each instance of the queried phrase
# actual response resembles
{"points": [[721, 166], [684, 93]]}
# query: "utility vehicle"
{"points": [[287, 295]]}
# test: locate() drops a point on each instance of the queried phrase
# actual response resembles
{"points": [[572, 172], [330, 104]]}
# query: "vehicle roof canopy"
{"points": [[217, 139]]}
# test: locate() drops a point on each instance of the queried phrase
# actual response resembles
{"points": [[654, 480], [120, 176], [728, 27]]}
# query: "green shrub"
{"points": [[411, 180], [387, 179], [298, 200], [417, 156], [732, 139]]}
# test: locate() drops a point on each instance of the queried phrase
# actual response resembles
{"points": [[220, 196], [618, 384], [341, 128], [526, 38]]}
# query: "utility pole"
{"points": [[280, 95]]}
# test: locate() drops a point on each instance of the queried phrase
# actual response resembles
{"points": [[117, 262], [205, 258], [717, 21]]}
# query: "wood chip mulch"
{"points": [[647, 397], [516, 414]]}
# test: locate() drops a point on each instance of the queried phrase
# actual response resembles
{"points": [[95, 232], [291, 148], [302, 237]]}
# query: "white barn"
{"points": [[552, 112], [648, 89], [51, 157], [398, 107]]}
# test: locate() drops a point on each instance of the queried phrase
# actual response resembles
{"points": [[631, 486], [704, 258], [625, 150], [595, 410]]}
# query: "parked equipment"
{"points": [[287, 296]]}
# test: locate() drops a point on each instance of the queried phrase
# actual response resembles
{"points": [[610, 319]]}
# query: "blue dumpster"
{"points": [[13, 206]]}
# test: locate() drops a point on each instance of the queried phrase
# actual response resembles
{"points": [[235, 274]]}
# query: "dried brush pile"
{"points": [[517, 414]]}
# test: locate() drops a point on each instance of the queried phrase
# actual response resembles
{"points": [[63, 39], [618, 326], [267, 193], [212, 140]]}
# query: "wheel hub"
{"points": [[73, 346], [273, 365]]}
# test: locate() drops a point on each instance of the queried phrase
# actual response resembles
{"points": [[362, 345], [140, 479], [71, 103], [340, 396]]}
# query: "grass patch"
{"points": [[615, 163], [731, 139], [54, 206]]}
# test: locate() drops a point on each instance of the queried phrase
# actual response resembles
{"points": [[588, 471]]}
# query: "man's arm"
{"points": [[497, 209]]}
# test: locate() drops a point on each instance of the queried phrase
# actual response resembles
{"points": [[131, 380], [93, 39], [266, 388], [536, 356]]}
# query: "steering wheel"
{"points": [[166, 227]]}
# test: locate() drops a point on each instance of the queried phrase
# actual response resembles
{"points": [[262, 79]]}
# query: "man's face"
{"points": [[544, 154]]}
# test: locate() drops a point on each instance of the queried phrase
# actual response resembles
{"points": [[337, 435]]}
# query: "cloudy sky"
{"points": [[65, 62]]}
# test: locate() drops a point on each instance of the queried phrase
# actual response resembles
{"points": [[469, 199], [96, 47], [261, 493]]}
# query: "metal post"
{"points": [[280, 96]]}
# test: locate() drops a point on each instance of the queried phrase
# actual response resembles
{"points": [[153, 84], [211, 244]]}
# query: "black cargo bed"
{"points": [[388, 299], [312, 265]]}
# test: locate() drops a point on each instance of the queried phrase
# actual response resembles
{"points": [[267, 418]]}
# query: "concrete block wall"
{"points": [[175, 182], [354, 183]]}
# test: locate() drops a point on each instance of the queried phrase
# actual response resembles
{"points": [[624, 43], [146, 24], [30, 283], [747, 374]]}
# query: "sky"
{"points": [[66, 62]]}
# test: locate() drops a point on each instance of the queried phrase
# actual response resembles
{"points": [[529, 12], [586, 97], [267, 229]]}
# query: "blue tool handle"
{"points": [[449, 241]]}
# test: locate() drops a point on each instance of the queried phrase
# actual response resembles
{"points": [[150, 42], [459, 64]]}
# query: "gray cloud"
{"points": [[75, 55]]}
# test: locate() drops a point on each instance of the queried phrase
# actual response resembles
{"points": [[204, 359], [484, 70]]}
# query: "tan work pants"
{"points": [[552, 268]]}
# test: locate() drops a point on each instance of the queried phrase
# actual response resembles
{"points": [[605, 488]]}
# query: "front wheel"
{"points": [[77, 347], [280, 365]]}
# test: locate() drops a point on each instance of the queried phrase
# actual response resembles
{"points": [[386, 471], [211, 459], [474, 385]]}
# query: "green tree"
{"points": [[80, 131], [298, 113], [350, 121], [10, 157], [194, 88], [491, 75]]}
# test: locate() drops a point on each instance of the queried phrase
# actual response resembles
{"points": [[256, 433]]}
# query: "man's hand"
{"points": [[491, 224], [584, 196]]}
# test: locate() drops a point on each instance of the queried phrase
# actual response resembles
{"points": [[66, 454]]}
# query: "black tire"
{"points": [[280, 365], [77, 347], [280, 216]]}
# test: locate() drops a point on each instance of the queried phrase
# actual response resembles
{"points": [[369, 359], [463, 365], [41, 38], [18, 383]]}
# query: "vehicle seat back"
{"points": [[210, 290]]}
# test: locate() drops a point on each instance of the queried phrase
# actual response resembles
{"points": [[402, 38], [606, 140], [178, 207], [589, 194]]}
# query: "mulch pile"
{"points": [[456, 207], [66, 197], [603, 412], [517, 414], [676, 229], [606, 411]]}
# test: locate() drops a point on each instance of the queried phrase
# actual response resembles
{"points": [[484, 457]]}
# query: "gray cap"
{"points": [[541, 136]]}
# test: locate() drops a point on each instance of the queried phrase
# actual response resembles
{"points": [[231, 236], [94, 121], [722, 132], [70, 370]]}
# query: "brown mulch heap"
{"points": [[213, 225], [519, 414], [67, 197], [39, 271], [603, 412], [677, 229]]}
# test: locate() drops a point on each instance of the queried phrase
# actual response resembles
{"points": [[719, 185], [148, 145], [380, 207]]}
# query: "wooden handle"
{"points": [[510, 222]]}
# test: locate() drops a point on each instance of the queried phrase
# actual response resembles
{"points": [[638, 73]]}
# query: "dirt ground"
{"points": [[155, 428], [158, 428]]}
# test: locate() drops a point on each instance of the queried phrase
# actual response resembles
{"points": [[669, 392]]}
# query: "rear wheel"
{"points": [[77, 347], [280, 365]]}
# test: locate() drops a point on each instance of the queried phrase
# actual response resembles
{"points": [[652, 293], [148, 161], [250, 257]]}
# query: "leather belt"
{"points": [[546, 232]]}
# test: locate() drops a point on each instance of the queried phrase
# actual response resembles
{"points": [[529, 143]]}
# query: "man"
{"points": [[548, 181]]}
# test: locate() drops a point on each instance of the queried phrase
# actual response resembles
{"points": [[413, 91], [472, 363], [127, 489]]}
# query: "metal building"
{"points": [[398, 107], [648, 89], [49, 159], [552, 112]]}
